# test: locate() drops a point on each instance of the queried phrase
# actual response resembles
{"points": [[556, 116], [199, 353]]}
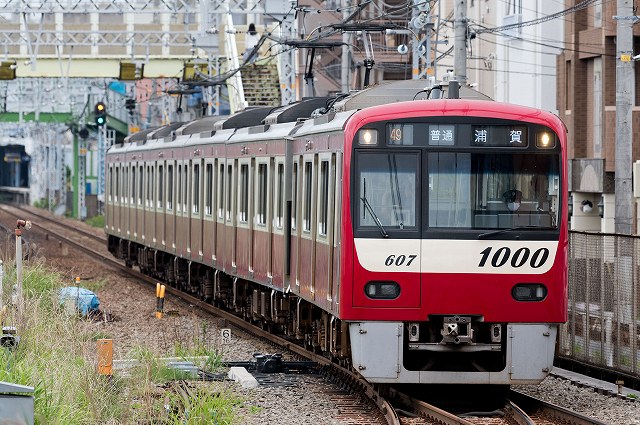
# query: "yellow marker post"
{"points": [[105, 357], [160, 289]]}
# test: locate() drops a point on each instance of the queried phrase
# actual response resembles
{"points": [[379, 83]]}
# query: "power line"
{"points": [[582, 5]]}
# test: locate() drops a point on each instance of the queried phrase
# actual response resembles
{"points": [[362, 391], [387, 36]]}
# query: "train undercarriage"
{"points": [[281, 313], [452, 349]]}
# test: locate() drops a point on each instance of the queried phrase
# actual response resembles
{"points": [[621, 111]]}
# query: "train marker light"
{"points": [[529, 292], [382, 290], [368, 137], [545, 140]]}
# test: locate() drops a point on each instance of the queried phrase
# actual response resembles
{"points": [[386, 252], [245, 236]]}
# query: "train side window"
{"points": [[185, 188], [221, 191], [140, 185], [170, 186], [133, 185], [179, 190], [196, 188], [208, 208], [323, 196], [160, 202], [117, 194], [294, 196], [125, 184], [262, 194], [243, 209], [306, 206], [152, 185], [229, 191], [110, 189], [279, 198]]}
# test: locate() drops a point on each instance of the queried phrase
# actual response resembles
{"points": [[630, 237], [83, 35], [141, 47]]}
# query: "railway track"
{"points": [[521, 409]]}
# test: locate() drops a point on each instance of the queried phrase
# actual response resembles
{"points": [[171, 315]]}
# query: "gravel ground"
{"points": [[611, 410], [308, 399]]}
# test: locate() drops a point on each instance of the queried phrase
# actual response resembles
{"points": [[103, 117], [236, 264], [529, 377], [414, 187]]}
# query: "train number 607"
{"points": [[518, 259], [399, 260]]}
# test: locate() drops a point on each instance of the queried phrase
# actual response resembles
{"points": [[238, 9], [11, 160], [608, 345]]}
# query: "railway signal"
{"points": [[100, 112]]}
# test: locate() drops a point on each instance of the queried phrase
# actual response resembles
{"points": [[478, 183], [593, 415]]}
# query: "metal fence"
{"points": [[604, 315]]}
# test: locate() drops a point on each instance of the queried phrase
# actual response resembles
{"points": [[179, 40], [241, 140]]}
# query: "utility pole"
{"points": [[345, 67], [625, 90], [460, 43]]}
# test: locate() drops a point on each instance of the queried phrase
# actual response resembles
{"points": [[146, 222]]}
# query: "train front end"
{"points": [[454, 242]]}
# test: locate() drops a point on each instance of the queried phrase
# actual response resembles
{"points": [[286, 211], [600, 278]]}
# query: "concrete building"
{"points": [[586, 94]]}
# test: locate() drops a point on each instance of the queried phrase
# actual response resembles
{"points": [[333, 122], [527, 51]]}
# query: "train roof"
{"points": [[200, 125], [165, 131], [140, 136], [246, 118], [387, 92]]}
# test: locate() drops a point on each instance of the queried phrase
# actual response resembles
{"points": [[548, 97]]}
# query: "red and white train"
{"points": [[424, 241]]}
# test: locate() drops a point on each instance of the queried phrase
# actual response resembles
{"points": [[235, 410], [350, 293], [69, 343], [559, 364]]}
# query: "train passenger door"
{"points": [[126, 230], [196, 209], [308, 202], [277, 235], [207, 236], [244, 217], [109, 196], [132, 200], [261, 233], [218, 250], [116, 200], [140, 205], [323, 244], [160, 206], [170, 209], [230, 217]]}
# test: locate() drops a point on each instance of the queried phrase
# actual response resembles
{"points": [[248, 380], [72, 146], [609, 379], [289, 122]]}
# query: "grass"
{"points": [[95, 221], [57, 356]]}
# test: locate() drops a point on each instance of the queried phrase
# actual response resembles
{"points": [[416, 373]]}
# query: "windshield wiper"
{"points": [[510, 229], [369, 208]]}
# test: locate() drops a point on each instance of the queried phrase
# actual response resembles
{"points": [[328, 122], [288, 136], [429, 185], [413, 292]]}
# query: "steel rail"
{"points": [[551, 411]]}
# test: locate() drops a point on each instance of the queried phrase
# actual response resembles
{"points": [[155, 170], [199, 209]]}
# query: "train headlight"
{"points": [[368, 136], [382, 290], [545, 140], [529, 292]]}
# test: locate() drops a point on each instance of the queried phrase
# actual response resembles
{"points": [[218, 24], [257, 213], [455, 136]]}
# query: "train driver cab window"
{"points": [[493, 190], [387, 191]]}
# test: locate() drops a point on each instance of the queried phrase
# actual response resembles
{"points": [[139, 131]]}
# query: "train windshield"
{"points": [[492, 190], [458, 190], [387, 190]]}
